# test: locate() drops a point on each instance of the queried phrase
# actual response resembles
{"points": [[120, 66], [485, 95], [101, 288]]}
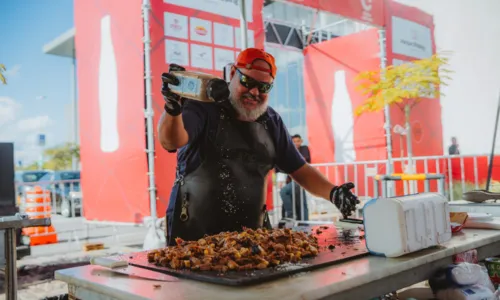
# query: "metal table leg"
{"points": [[11, 265], [10, 225]]}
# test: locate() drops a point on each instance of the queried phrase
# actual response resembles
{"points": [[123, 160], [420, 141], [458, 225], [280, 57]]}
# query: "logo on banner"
{"points": [[417, 131], [202, 55], [411, 39], [201, 30], [176, 25], [225, 8], [177, 51], [414, 43], [235, 2], [414, 35], [367, 10]]}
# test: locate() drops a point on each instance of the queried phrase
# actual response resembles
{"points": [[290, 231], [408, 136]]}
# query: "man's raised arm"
{"points": [[171, 131]]}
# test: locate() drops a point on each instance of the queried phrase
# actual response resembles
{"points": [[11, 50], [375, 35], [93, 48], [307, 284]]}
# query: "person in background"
{"points": [[303, 150], [454, 148], [289, 188]]}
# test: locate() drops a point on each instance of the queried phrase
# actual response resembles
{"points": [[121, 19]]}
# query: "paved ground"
{"points": [[41, 291], [73, 233], [51, 288]]}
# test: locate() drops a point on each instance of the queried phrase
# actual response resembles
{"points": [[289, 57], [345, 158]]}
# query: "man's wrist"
{"points": [[332, 192], [174, 111]]}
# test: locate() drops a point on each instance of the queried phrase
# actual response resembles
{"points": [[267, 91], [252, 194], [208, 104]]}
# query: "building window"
{"points": [[287, 97]]}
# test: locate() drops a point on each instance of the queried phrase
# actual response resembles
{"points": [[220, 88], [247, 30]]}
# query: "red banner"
{"points": [[201, 35], [111, 110], [330, 71], [410, 36], [335, 135], [367, 11]]}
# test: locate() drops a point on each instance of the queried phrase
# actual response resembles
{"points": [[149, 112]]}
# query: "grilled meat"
{"points": [[246, 250]]}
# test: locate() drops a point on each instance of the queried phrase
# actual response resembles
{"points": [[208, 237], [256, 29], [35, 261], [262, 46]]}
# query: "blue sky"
{"points": [[26, 26]]}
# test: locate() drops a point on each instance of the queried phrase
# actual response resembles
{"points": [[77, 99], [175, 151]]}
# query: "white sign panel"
{"points": [[250, 37], [200, 30], [222, 58], [411, 39], [176, 25], [223, 35], [201, 57], [226, 8], [176, 52]]}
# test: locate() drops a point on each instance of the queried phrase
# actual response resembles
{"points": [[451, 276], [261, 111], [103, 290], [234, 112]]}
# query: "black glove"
{"points": [[173, 102], [344, 199], [218, 90]]}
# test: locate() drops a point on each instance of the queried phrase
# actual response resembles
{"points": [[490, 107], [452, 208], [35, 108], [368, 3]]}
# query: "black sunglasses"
{"points": [[251, 83]]}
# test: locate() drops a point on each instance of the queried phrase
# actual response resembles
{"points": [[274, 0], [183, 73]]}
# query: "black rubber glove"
{"points": [[218, 90], [173, 102], [344, 199]]}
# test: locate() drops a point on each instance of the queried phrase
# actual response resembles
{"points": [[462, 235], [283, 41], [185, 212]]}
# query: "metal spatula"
{"points": [[122, 267]]}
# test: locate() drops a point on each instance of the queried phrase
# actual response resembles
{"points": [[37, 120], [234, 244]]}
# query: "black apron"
{"points": [[226, 192]]}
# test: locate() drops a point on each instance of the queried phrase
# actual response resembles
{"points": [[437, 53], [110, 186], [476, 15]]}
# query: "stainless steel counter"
{"points": [[358, 279]]}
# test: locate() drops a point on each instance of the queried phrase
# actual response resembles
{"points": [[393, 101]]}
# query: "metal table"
{"points": [[361, 278], [10, 225]]}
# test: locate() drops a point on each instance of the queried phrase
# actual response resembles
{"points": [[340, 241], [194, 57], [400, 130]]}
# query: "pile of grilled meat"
{"points": [[239, 251]]}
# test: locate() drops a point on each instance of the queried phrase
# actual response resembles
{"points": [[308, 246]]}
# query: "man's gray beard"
{"points": [[245, 114]]}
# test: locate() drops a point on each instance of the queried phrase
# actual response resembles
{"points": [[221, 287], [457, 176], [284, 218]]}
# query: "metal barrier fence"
{"points": [[462, 173]]}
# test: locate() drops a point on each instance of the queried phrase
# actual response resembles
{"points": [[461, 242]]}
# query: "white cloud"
{"points": [[34, 124], [13, 71], [9, 109], [22, 132]]}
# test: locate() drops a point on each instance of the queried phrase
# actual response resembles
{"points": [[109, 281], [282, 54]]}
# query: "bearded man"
{"points": [[225, 151]]}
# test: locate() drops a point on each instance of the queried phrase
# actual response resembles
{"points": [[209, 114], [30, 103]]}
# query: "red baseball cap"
{"points": [[247, 58]]}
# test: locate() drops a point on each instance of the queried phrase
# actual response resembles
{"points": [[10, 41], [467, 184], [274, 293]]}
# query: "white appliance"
{"points": [[108, 90], [342, 120], [400, 225]]}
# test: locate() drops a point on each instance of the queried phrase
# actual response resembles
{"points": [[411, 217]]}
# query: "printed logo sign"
{"points": [[222, 58], [223, 35], [201, 30], [367, 11], [411, 39], [201, 57], [176, 25], [176, 52], [417, 131], [226, 8]]}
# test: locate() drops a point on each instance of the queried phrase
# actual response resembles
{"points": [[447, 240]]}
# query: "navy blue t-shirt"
{"points": [[201, 120]]}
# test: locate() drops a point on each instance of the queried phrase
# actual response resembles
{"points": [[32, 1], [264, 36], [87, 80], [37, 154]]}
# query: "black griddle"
{"points": [[348, 245]]}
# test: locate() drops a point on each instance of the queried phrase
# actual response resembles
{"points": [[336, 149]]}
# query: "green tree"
{"points": [[60, 158], [57, 158]]}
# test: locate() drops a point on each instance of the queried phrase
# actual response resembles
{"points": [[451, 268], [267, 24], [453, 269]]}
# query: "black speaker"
{"points": [[7, 188]]}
